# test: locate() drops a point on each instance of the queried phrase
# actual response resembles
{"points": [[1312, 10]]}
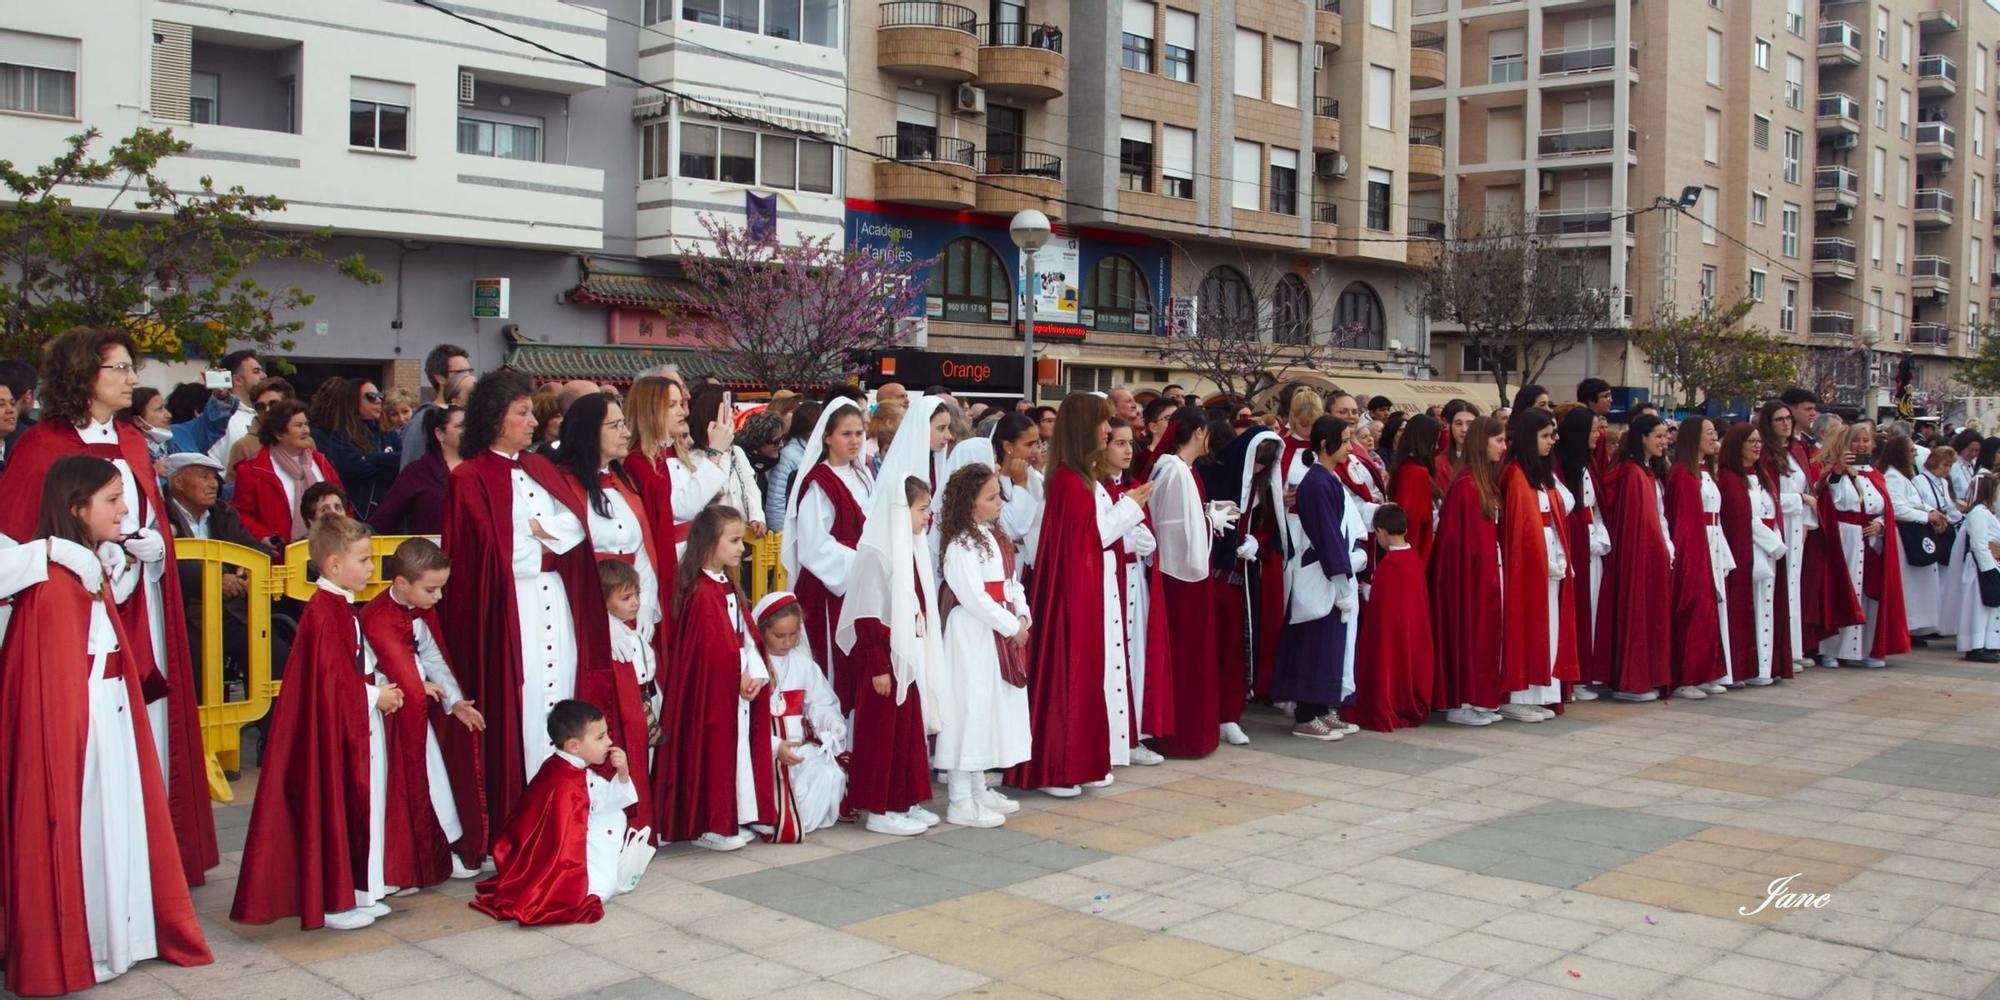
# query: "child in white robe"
{"points": [[983, 712], [809, 732]]}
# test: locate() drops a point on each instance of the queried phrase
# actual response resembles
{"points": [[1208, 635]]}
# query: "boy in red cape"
{"points": [[1394, 661], [66, 682], [426, 838], [316, 847], [558, 854]]}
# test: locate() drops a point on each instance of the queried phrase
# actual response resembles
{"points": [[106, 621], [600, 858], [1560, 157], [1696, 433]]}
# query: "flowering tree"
{"points": [[1711, 355], [1250, 337], [793, 314], [169, 266]]}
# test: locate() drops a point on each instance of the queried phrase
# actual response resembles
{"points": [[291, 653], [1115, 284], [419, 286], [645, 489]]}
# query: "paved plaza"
{"points": [[1605, 854]]}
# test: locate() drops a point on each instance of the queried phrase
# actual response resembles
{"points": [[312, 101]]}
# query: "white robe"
{"points": [[542, 615], [1182, 531], [1854, 493], [1553, 548], [983, 723], [609, 798], [1800, 517], [1922, 585], [620, 532], [139, 514], [688, 491], [1135, 606], [1978, 625], [1720, 561], [1767, 546], [1951, 597], [1114, 521], [1600, 546], [21, 567], [117, 874], [432, 667], [373, 887], [1021, 518], [819, 783]]}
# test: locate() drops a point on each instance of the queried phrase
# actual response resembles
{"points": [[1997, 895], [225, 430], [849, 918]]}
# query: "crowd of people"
{"points": [[1021, 598]]}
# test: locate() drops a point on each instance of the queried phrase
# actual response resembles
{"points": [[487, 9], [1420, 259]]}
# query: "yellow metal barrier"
{"points": [[292, 575], [766, 572]]}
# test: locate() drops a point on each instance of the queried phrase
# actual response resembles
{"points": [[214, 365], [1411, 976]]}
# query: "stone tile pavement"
{"points": [[1610, 853]]}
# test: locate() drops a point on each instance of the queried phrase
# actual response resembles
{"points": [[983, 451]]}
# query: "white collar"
{"points": [[717, 577], [574, 760], [333, 588], [1397, 548], [515, 457]]}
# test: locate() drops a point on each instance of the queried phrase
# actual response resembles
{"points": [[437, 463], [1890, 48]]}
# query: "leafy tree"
{"points": [[1711, 355], [793, 314], [1980, 373], [1284, 325], [170, 266]]}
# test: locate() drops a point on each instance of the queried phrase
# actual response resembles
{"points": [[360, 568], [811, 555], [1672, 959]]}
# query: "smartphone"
{"points": [[215, 378]]}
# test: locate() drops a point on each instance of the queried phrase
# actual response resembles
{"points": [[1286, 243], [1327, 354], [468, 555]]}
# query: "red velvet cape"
{"points": [[1413, 490], [1633, 628], [307, 849], [889, 770], [1156, 716], [1697, 622], [819, 604], [260, 497], [45, 714], [541, 857], [481, 636], [694, 769], [1466, 611], [1188, 610], [626, 715], [1395, 664], [1525, 657], [1736, 514], [187, 762], [1830, 604], [1071, 734], [416, 852]]}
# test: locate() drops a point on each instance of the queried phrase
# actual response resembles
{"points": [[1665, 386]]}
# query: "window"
{"points": [[969, 284], [813, 21], [1177, 162], [38, 74], [1979, 133], [1181, 44], [815, 167], [1878, 170], [1788, 306], [1137, 39], [1760, 54], [1794, 149], [1380, 184], [1246, 164], [1359, 309], [1713, 72], [916, 124], [1284, 180], [1291, 311], [1903, 114], [1903, 182], [1788, 230], [655, 151], [1135, 154], [1795, 82], [1115, 298], [1707, 286], [1972, 256], [1896, 315], [1795, 17], [1907, 45], [1382, 13], [1226, 308], [794, 164], [1249, 64], [1881, 102], [1760, 206], [1875, 308], [1978, 182], [1902, 243], [1487, 359], [1381, 97], [1757, 282], [1881, 32], [1709, 198], [1875, 242], [1979, 69], [1711, 136], [712, 153], [378, 114], [204, 89], [1760, 131], [1504, 51], [1284, 73], [517, 139]]}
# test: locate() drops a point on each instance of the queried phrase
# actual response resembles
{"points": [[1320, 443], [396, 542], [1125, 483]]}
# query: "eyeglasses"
{"points": [[122, 368], [373, 397], [449, 372]]}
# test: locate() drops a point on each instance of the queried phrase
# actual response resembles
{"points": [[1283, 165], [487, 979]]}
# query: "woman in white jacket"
{"points": [[739, 484], [1915, 504], [1978, 623], [1791, 486]]}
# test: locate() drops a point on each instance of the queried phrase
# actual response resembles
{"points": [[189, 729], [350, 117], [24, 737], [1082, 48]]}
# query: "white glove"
{"points": [[1220, 521], [834, 740], [112, 559], [1247, 550], [1558, 564], [1345, 600], [1600, 540], [78, 560], [1762, 569], [146, 546]]}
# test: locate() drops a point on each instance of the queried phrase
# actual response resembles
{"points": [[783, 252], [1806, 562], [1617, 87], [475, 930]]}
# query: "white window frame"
{"points": [[382, 94], [1788, 305], [1760, 53], [1788, 230], [41, 66], [1249, 49], [1759, 281], [1760, 208]]}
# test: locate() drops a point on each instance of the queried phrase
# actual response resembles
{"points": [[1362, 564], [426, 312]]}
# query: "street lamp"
{"points": [[1030, 230], [1869, 338]]}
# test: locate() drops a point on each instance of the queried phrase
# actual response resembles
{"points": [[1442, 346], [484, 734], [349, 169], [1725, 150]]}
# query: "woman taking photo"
{"points": [[1633, 624], [1465, 582], [1791, 488], [829, 507], [1759, 637], [1183, 528], [414, 504], [1701, 563], [1538, 646], [1857, 606], [270, 484], [1579, 439], [346, 419], [739, 478]]}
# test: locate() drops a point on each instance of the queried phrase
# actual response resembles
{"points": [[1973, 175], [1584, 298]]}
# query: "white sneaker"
{"points": [[718, 842], [1146, 756], [1233, 735], [1804, 662], [1582, 694], [925, 816], [1690, 692], [458, 869], [894, 824], [998, 803], [1467, 716], [1337, 724], [1873, 662], [1520, 713], [1287, 707], [1104, 782], [1652, 695], [1715, 687], [1487, 713], [1547, 713], [970, 813], [376, 909], [1757, 682], [350, 920], [1829, 662], [1064, 791]]}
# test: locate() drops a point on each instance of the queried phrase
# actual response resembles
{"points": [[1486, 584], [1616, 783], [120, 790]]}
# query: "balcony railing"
{"points": [[1829, 322], [1426, 135], [1834, 248], [1930, 335], [1427, 229], [1420, 39], [1937, 68], [1931, 266], [1330, 6], [1012, 164], [929, 14], [1326, 107], [1839, 33], [1839, 106], [1934, 200], [1837, 179], [925, 149], [1327, 212], [1583, 59], [1937, 132], [1576, 141], [1018, 35], [1574, 222]]}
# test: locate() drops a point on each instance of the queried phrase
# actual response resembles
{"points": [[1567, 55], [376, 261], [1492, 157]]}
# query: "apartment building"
{"points": [[1193, 153], [1840, 152]]}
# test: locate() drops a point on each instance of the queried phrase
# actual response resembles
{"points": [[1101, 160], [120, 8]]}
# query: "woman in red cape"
{"points": [[1633, 627], [656, 410], [1465, 583], [1538, 643], [824, 516], [1395, 659], [1701, 667], [1181, 525], [1411, 485], [1579, 443], [1457, 421], [82, 391], [45, 709], [1071, 735], [1760, 634], [1866, 624]]}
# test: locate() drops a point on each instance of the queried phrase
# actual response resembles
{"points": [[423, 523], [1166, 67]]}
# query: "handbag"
{"points": [[633, 858], [1989, 587], [1921, 545]]}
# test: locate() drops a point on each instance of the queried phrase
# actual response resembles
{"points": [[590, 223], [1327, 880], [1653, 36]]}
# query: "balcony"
{"points": [[1838, 114], [1834, 258], [1574, 222], [1835, 187], [936, 41], [1010, 182], [1426, 242], [1936, 141], [1937, 76], [1582, 141], [1579, 59], [1326, 220], [1426, 59], [1022, 61], [926, 170], [1831, 323], [1326, 124], [1933, 208], [1840, 43], [1426, 153], [1930, 276], [1936, 22], [1326, 23], [1936, 336]]}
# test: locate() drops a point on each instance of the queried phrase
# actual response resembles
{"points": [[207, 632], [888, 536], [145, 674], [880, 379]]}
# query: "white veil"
{"points": [[788, 544]]}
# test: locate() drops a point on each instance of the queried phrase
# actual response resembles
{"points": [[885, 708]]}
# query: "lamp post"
{"points": [[1030, 230], [1869, 338]]}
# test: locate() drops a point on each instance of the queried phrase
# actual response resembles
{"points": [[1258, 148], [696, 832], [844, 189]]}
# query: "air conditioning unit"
{"points": [[1847, 140], [465, 86], [970, 100], [1329, 165], [1548, 184]]}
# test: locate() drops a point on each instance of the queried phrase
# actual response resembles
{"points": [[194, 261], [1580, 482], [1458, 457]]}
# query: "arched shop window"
{"points": [[1227, 309], [1359, 306], [1291, 311], [969, 284], [1115, 298]]}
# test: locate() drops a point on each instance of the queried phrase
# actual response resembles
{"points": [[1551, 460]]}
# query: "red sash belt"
{"points": [[1770, 522], [548, 560], [681, 531], [628, 558], [114, 665], [1714, 520], [795, 702], [1854, 517], [997, 589]]}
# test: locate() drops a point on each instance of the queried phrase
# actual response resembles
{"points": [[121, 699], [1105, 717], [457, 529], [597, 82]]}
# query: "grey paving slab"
{"points": [[1745, 704], [1940, 767], [1271, 733], [637, 988], [1562, 845]]}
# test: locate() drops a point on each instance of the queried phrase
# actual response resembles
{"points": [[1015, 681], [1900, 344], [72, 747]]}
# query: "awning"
{"points": [[652, 104], [1409, 395], [635, 291], [619, 364]]}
